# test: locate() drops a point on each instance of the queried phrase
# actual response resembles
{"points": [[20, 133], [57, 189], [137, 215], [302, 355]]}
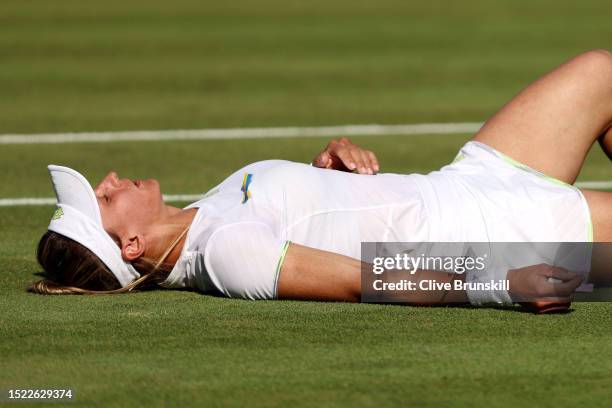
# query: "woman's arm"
{"points": [[312, 274]]}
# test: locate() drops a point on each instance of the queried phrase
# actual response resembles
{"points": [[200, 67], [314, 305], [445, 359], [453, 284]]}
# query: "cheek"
{"points": [[110, 219], [130, 208], [138, 207]]}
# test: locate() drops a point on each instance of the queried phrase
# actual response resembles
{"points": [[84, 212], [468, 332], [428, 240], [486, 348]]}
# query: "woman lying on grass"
{"points": [[284, 230]]}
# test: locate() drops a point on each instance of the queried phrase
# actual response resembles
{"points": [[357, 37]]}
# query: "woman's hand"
{"points": [[542, 287], [344, 155]]}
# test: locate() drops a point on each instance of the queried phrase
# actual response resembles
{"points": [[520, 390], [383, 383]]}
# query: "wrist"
{"points": [[486, 287]]}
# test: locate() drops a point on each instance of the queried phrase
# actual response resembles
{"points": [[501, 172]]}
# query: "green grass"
{"points": [[85, 66], [184, 347], [119, 64]]}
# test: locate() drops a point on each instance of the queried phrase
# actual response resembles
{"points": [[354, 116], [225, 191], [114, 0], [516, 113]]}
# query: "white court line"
{"points": [[19, 202], [245, 133], [170, 198], [595, 185]]}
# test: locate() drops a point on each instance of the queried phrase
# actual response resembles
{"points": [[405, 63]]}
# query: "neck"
{"points": [[165, 233]]}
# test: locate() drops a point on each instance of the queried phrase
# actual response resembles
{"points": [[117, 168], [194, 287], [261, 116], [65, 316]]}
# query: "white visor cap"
{"points": [[78, 218]]}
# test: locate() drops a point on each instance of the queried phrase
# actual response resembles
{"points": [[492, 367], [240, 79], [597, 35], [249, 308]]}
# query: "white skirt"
{"points": [[511, 210], [485, 196]]}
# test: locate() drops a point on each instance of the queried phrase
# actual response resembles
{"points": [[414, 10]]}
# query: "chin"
{"points": [[155, 189]]}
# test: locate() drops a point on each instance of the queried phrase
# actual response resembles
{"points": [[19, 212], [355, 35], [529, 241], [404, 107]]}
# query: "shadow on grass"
{"points": [[512, 308]]}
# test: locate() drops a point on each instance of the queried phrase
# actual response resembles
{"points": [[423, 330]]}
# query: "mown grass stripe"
{"points": [[244, 133]]}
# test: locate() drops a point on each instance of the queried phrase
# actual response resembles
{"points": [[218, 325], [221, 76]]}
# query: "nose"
{"points": [[113, 178], [110, 180]]}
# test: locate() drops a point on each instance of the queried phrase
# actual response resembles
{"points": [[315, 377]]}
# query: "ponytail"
{"points": [[72, 269]]}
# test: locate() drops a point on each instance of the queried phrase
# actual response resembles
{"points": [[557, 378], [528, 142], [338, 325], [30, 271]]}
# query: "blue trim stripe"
{"points": [[246, 181]]}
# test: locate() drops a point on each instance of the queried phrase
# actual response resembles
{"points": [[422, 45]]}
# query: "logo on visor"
{"points": [[57, 214]]}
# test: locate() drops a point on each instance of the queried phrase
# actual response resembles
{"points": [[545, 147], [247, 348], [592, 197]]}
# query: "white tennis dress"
{"points": [[239, 235]]}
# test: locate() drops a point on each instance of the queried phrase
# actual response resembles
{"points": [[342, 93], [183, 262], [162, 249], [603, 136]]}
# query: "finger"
{"points": [[368, 156], [374, 161], [561, 273], [560, 288], [358, 160], [365, 162], [551, 293], [321, 160], [569, 286], [347, 158]]}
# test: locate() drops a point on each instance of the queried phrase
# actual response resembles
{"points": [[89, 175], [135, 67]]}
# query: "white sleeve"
{"points": [[244, 259]]}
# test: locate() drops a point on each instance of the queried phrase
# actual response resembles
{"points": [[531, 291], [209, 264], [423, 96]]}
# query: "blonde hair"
{"points": [[72, 269]]}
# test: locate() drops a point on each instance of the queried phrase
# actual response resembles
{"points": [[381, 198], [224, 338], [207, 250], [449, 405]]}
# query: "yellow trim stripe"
{"points": [[553, 180], [279, 265]]}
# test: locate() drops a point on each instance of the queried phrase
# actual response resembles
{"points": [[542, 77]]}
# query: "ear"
{"points": [[132, 247]]}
